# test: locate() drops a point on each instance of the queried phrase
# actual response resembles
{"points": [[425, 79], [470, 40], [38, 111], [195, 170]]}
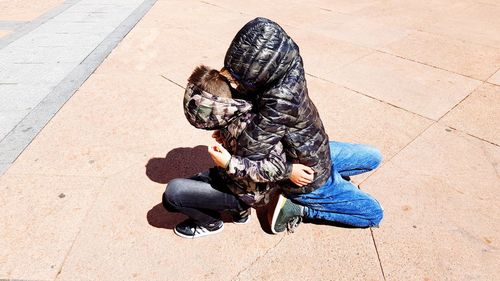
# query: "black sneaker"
{"points": [[286, 215], [189, 229], [242, 217]]}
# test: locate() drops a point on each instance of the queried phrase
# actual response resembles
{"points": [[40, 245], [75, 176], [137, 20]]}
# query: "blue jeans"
{"points": [[338, 200]]}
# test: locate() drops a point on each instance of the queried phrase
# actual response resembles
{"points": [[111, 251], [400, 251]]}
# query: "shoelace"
{"points": [[196, 228], [293, 223]]}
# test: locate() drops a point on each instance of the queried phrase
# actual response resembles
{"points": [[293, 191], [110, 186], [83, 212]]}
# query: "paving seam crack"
{"points": [[395, 154], [172, 81], [258, 258], [82, 223], [378, 255], [370, 97], [430, 65], [462, 100]]}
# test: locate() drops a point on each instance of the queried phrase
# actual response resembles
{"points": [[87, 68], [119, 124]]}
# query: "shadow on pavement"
{"points": [[161, 218], [181, 162]]}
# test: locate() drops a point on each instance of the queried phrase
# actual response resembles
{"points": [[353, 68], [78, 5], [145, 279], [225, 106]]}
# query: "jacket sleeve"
{"points": [[270, 169], [259, 144]]}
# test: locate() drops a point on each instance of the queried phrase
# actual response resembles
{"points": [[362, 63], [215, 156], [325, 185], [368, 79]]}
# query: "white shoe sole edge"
{"points": [[276, 212], [199, 235], [246, 222]]}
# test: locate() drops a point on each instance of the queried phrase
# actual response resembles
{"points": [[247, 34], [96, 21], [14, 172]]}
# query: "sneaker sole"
{"points": [[199, 235], [281, 202], [245, 222]]}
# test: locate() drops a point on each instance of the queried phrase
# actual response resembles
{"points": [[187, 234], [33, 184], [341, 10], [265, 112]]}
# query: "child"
{"points": [[208, 105], [265, 64]]}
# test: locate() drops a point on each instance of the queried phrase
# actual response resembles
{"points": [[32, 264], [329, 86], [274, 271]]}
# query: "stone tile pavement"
{"points": [[418, 79]]}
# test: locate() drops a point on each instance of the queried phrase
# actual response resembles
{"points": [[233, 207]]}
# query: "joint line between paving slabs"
{"points": [[403, 148], [378, 255], [258, 258], [470, 93], [172, 81], [32, 25], [368, 96], [430, 65], [16, 141], [84, 219]]}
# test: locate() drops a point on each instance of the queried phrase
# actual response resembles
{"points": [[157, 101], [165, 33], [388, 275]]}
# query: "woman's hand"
{"points": [[220, 155], [216, 135], [301, 175]]}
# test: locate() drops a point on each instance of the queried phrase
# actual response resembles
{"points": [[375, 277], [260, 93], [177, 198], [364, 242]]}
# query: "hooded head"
{"points": [[207, 100], [260, 53]]}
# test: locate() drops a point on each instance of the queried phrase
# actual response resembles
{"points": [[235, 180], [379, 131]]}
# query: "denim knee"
{"points": [[166, 204], [173, 193], [376, 214], [375, 157]]}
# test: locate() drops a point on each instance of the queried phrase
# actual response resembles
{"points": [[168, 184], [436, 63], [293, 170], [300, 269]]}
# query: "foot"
{"points": [[190, 229], [286, 215], [242, 217]]}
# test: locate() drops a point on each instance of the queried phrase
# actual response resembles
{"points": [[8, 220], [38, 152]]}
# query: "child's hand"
{"points": [[220, 155], [216, 135], [301, 175]]}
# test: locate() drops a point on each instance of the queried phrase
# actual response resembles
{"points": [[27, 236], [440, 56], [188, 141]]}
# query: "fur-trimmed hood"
{"points": [[206, 111]]}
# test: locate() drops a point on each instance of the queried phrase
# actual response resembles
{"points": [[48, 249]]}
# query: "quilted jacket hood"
{"points": [[260, 53], [206, 111]]}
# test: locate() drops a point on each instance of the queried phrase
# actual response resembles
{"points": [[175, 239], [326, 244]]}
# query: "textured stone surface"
{"points": [[25, 10], [320, 255], [469, 59], [495, 78], [441, 215], [4, 33], [83, 200], [132, 238], [40, 218], [479, 114], [412, 86]]}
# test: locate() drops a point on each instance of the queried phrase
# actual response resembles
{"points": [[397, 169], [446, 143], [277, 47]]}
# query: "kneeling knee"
{"points": [[376, 214], [173, 193], [376, 157]]}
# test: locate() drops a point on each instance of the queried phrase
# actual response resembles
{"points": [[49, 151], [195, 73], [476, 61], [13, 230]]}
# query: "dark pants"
{"points": [[201, 198]]}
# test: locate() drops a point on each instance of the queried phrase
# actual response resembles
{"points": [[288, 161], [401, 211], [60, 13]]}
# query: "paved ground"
{"points": [[418, 79]]}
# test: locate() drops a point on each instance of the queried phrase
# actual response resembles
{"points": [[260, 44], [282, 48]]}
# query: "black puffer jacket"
{"points": [[267, 63]]}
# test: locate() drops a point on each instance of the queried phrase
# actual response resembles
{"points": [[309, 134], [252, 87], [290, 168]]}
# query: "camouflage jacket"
{"points": [[252, 181], [267, 63]]}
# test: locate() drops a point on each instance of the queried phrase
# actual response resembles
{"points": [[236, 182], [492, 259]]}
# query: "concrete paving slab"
{"points": [[26, 10], [478, 115], [441, 217], [4, 33], [131, 230], [41, 217], [316, 252], [418, 88], [63, 77], [364, 32], [18, 97], [415, 15], [9, 119], [323, 54], [351, 117], [469, 59], [478, 23], [495, 78], [102, 148]]}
